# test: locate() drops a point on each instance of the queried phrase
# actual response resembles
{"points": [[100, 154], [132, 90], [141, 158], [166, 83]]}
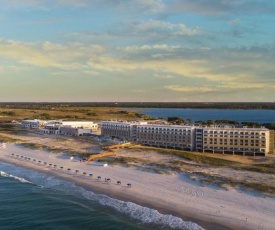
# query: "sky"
{"points": [[137, 50]]}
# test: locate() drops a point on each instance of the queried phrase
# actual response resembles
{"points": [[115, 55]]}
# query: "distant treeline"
{"points": [[178, 121], [183, 105]]}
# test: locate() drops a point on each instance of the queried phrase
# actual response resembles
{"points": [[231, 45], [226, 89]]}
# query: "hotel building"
{"points": [[168, 136], [125, 131], [245, 141], [216, 139], [33, 124]]}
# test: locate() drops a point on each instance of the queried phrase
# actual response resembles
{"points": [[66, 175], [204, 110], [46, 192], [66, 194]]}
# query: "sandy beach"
{"points": [[209, 206]]}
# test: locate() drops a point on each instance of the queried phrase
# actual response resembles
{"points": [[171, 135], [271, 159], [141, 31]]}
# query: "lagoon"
{"points": [[260, 116]]}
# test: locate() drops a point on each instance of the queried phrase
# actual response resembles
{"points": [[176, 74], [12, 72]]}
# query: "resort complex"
{"points": [[213, 139]]}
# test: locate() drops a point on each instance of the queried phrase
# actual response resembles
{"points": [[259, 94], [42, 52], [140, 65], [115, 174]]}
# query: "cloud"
{"points": [[245, 85], [235, 21], [217, 7], [229, 69], [163, 76], [70, 56], [23, 53], [163, 28], [20, 3], [74, 3], [190, 89], [144, 6], [138, 90]]}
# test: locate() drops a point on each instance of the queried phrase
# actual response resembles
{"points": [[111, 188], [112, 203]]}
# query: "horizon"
{"points": [[137, 50], [137, 102]]}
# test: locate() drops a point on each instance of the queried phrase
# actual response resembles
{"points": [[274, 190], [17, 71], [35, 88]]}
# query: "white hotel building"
{"points": [[125, 131], [33, 124], [178, 137], [69, 128], [235, 140], [216, 139], [168, 136]]}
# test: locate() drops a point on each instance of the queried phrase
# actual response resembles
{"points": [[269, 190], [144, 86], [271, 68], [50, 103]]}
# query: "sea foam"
{"points": [[4, 174]]}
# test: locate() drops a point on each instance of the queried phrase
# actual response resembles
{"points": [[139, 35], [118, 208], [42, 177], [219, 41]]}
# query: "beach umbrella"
{"points": [[54, 165], [108, 179], [12, 154], [129, 185], [50, 164], [39, 161], [77, 171], [69, 169], [90, 174], [118, 182], [33, 160], [99, 177], [61, 167], [84, 173], [45, 163], [29, 158], [17, 155]]}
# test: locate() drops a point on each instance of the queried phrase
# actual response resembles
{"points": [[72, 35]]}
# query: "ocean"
{"points": [[35, 200], [260, 116]]}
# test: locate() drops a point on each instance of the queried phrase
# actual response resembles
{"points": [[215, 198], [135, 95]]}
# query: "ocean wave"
{"points": [[142, 215], [4, 174], [148, 215]]}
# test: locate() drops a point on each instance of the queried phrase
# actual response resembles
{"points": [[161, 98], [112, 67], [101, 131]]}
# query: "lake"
{"points": [[260, 116]]}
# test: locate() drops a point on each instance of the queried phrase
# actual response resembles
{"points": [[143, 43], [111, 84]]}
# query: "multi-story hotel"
{"points": [[246, 141], [122, 130], [216, 139], [168, 136]]}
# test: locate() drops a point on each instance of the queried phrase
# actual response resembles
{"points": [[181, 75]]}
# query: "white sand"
{"points": [[170, 193]]}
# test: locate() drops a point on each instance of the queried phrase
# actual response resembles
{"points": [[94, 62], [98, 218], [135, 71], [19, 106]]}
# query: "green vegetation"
{"points": [[182, 105], [261, 168], [7, 127], [45, 116], [91, 114], [8, 113], [7, 139], [197, 158], [175, 120], [70, 113], [31, 145], [50, 149], [141, 164], [121, 160]]}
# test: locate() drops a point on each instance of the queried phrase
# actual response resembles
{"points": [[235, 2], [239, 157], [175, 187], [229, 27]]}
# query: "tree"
{"points": [[189, 120], [210, 122], [175, 120]]}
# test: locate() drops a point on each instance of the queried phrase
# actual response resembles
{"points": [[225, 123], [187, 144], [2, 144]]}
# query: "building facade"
{"points": [[70, 128], [121, 130], [245, 141], [32, 124], [168, 136], [70, 131], [216, 139]]}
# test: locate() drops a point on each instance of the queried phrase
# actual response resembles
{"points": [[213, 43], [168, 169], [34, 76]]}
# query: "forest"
{"points": [[183, 105]]}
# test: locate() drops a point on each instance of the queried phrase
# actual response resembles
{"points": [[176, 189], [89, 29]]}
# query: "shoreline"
{"points": [[123, 196], [161, 202]]}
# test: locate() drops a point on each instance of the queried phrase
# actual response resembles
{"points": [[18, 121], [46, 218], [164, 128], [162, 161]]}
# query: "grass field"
{"points": [[70, 113]]}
